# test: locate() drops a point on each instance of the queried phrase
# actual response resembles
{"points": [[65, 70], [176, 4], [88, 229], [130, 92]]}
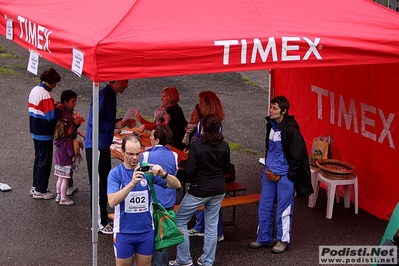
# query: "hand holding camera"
{"points": [[144, 168]]}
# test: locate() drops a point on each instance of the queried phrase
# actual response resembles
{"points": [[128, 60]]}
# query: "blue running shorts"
{"points": [[125, 245]]}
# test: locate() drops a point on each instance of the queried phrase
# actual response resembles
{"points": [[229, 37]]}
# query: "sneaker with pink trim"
{"points": [[67, 202], [58, 197]]}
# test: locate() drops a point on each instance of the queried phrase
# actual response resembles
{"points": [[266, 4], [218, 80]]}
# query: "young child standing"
{"points": [[69, 99], [63, 158]]}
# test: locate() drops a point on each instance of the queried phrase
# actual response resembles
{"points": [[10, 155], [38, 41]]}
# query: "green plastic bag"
{"points": [[166, 231]]}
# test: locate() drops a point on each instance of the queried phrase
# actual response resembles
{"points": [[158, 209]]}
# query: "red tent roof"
{"points": [[137, 39]]}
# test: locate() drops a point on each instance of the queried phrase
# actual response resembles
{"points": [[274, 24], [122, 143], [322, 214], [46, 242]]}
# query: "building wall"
{"points": [[395, 5], [392, 4]]}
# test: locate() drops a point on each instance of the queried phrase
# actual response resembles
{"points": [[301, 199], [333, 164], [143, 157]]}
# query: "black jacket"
{"points": [[205, 167], [296, 154]]}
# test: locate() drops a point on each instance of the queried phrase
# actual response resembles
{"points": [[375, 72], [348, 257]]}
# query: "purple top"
{"points": [[64, 151]]}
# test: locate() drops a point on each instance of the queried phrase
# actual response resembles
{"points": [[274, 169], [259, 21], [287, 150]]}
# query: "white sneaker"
{"points": [[221, 238], [280, 247], [39, 195], [193, 232], [32, 190], [58, 197], [174, 263], [71, 190], [67, 202]]}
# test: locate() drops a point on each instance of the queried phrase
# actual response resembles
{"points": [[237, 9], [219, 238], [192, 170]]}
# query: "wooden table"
{"points": [[119, 134]]}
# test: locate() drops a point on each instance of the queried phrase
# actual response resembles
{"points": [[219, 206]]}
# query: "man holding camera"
{"points": [[128, 193]]}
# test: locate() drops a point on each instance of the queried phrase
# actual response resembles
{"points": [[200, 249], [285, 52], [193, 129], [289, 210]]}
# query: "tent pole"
{"points": [[94, 189], [269, 95]]}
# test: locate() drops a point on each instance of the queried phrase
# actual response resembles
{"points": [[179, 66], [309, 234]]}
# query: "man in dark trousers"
{"points": [[107, 124]]}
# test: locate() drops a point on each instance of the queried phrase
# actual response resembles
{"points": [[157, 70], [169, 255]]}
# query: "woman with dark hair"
{"points": [[174, 118], [191, 126], [209, 103], [43, 115], [207, 160]]}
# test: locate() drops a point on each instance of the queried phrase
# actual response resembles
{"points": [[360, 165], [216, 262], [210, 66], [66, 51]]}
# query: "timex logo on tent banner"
{"points": [[287, 51]]}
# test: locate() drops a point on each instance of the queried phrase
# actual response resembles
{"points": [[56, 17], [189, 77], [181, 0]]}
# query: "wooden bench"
{"points": [[233, 202], [226, 202], [231, 189]]}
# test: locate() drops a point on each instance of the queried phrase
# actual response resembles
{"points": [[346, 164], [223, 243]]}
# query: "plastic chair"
{"points": [[313, 174], [332, 191]]}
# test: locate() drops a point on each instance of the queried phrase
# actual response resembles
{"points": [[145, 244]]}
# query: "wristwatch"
{"points": [[165, 175]]}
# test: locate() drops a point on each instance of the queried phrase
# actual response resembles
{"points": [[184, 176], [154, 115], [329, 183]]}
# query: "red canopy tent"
{"points": [[358, 106], [137, 39], [346, 49]]}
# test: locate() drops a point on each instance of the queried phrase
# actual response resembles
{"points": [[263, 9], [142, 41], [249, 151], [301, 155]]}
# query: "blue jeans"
{"points": [[200, 223], [160, 258], [187, 209]]}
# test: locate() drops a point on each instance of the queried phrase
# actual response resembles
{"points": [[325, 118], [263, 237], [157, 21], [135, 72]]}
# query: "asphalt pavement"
{"points": [[40, 232]]}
